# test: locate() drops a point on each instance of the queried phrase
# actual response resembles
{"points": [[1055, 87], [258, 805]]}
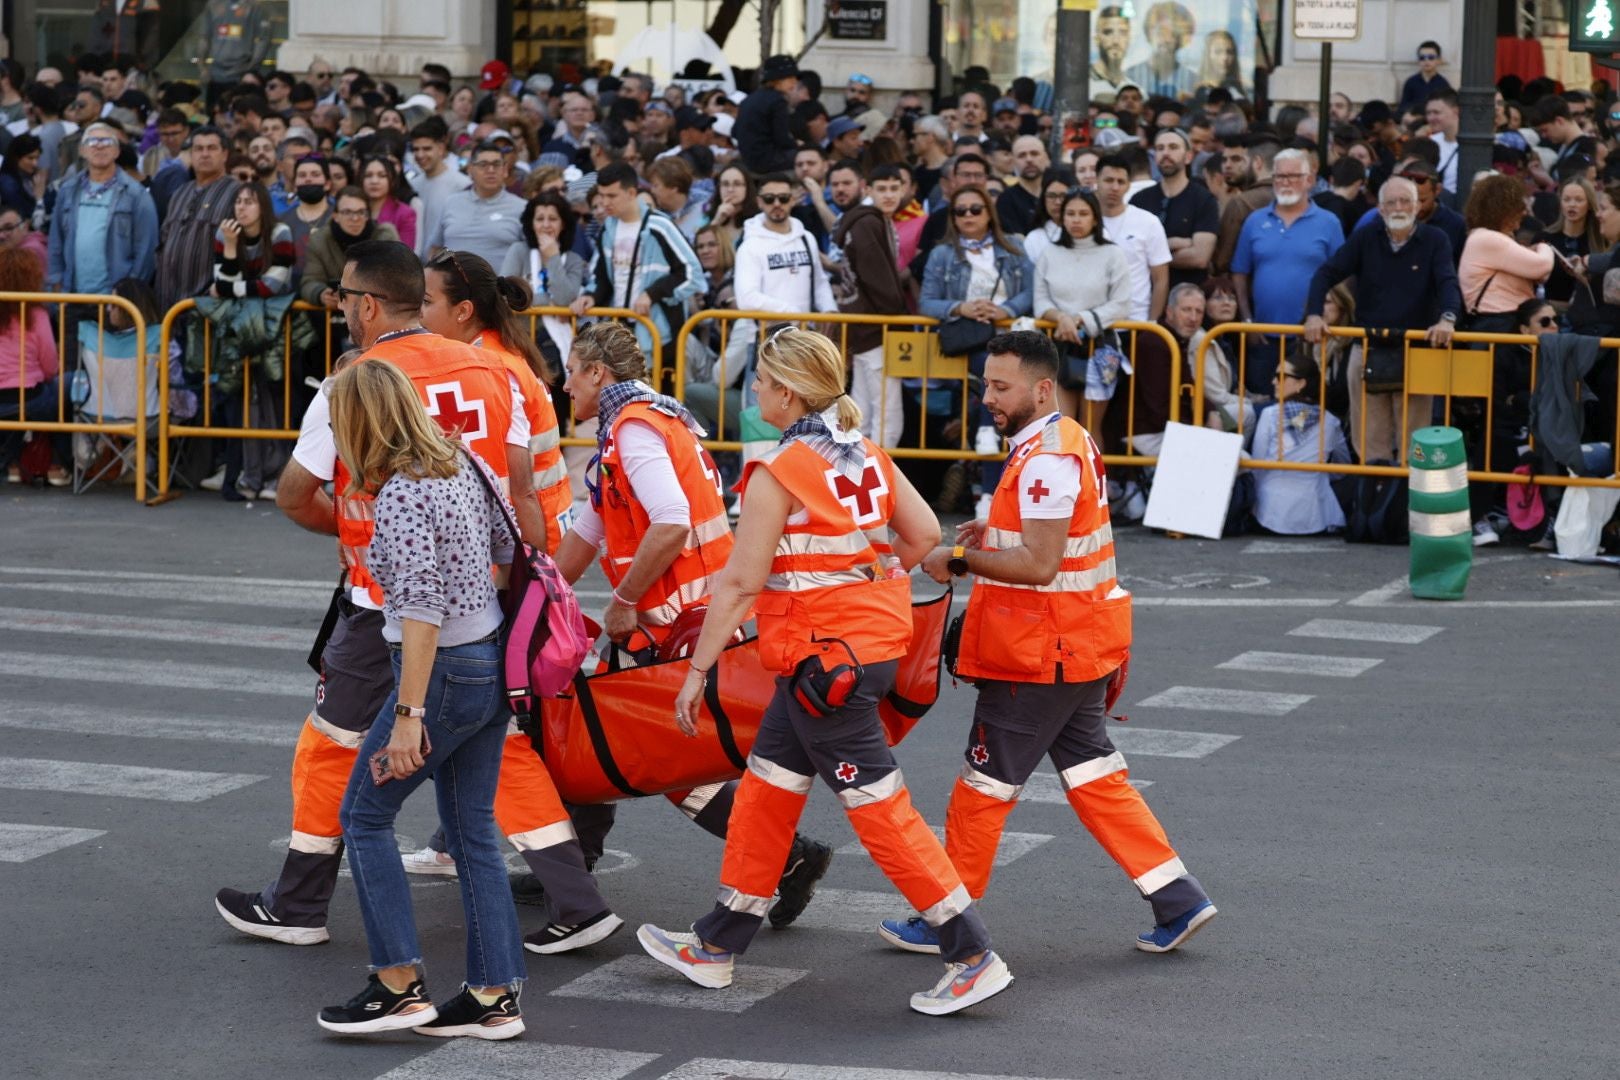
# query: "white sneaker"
{"points": [[428, 861], [268, 491], [962, 985], [1485, 533], [213, 482]]}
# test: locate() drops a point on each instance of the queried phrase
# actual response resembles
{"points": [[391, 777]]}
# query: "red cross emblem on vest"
{"points": [[846, 772], [456, 414], [979, 755], [1037, 491], [861, 499]]}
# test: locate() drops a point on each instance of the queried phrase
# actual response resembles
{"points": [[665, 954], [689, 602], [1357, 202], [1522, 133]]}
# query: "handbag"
{"points": [[1384, 362], [959, 335]]}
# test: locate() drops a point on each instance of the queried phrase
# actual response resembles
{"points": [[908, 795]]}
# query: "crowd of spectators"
{"points": [[1188, 208]]}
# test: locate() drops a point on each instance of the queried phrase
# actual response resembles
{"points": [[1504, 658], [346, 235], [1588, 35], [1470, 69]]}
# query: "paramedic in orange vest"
{"points": [[834, 618], [1047, 629], [658, 517], [469, 392]]}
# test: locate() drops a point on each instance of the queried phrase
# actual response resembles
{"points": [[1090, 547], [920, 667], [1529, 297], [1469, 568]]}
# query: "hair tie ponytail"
{"points": [[514, 292], [849, 413]]}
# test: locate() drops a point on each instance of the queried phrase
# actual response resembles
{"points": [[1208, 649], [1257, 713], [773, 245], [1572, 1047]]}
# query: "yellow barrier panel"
{"points": [[130, 428]]}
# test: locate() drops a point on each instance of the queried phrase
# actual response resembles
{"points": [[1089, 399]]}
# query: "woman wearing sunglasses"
{"points": [[1297, 428]]}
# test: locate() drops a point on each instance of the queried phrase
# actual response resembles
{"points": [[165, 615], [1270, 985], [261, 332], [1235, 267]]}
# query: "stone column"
{"points": [[898, 61], [390, 38]]}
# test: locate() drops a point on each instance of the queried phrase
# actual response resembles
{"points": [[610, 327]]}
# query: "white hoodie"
{"points": [[780, 271]]}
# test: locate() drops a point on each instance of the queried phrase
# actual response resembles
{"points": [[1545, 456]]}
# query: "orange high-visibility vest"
{"points": [[551, 486], [690, 578], [466, 390], [829, 577], [1081, 620]]}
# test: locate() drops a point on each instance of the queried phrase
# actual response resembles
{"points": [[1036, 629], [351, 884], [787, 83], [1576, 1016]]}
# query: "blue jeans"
{"points": [[466, 726]]}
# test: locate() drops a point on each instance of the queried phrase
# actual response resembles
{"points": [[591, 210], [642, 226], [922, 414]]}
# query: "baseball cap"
{"points": [[736, 97], [493, 76], [659, 105], [722, 124], [780, 66], [1418, 170], [840, 127], [688, 116], [870, 122], [1002, 105]]}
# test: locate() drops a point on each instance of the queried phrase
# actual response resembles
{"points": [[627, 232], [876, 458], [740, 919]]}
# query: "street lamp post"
{"points": [[1477, 95]]}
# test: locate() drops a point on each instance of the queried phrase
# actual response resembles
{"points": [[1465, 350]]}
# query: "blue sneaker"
{"points": [[1167, 936], [912, 935], [962, 985]]}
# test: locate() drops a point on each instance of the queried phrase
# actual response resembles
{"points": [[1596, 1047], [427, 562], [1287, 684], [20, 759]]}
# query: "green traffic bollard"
{"points": [[1442, 535]]}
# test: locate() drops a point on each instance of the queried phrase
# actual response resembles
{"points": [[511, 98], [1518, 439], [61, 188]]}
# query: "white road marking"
{"points": [[165, 673], [726, 1069], [1352, 630], [1014, 845], [1335, 667], [854, 911], [1382, 594], [1234, 601], [291, 597], [77, 720], [1297, 547], [1045, 787], [1210, 699], [123, 781], [151, 628], [1162, 742], [643, 980], [519, 1060], [19, 843], [135, 575]]}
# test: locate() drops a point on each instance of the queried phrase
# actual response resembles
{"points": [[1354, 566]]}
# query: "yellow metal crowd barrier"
{"points": [[911, 350], [1463, 369], [535, 314], [65, 416]]}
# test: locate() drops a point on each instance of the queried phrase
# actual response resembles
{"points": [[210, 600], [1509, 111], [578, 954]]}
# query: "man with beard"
{"points": [[1247, 172], [1113, 40], [1190, 214], [1406, 279], [1278, 251], [1430, 210], [1019, 207]]}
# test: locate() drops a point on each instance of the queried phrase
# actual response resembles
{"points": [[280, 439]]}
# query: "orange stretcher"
{"points": [[614, 737]]}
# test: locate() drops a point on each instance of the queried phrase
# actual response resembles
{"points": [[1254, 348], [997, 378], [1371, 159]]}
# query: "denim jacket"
{"points": [[132, 233], [945, 281]]}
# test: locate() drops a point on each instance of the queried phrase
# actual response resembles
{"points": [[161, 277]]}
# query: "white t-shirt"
{"points": [[624, 249], [1049, 483], [647, 466], [1142, 237], [984, 283], [1448, 161]]}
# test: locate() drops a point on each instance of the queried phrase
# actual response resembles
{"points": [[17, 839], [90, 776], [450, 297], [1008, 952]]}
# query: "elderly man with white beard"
{"points": [[1405, 280], [1280, 248]]}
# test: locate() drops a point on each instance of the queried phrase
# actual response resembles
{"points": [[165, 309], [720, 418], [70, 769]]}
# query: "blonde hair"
{"points": [[381, 429], [810, 365], [614, 347]]}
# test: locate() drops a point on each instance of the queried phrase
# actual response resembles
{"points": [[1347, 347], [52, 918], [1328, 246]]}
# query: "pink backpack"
{"points": [[544, 630]]}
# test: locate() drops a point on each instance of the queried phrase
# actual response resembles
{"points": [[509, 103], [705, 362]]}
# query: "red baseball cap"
{"points": [[494, 75]]}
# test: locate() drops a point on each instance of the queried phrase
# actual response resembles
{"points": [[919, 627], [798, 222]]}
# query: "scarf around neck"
{"points": [[821, 432], [614, 398]]}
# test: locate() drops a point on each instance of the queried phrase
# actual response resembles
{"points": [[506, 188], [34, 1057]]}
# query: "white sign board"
{"points": [[1193, 482], [1327, 20]]}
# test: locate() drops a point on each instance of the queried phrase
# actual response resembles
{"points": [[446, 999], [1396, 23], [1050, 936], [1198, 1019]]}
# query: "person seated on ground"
{"points": [[1296, 428]]}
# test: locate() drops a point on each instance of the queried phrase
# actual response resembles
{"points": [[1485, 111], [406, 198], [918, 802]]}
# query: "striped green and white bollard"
{"points": [[1442, 535]]}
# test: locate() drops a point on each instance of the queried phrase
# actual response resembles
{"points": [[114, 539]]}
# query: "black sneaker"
{"points": [[526, 889], [466, 1015], [248, 913], [556, 938], [807, 862], [377, 1008]]}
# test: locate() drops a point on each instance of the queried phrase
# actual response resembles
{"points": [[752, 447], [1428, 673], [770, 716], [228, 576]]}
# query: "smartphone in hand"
{"points": [[382, 769]]}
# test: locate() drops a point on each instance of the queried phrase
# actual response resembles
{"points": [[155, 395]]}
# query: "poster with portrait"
{"points": [[1170, 48]]}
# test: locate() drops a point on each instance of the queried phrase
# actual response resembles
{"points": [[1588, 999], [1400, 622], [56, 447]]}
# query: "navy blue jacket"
{"points": [[1407, 289]]}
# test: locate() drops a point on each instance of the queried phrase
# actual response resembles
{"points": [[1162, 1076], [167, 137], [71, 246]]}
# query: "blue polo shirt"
{"points": [[1280, 259]]}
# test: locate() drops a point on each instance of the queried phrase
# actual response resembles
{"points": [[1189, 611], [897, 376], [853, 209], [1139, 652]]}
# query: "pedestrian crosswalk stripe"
{"points": [[19, 843], [124, 724], [123, 781], [1233, 601], [1355, 630], [1211, 699], [100, 576], [516, 1059], [219, 591], [1134, 741], [1044, 787], [151, 628], [725, 1069], [165, 673], [1014, 845], [1294, 547], [853, 910], [645, 981], [1336, 667]]}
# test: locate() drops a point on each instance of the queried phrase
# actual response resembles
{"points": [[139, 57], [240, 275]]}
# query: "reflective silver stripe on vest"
{"points": [[1440, 481], [1071, 580], [676, 602], [561, 832], [1160, 876], [955, 902], [349, 740], [1440, 525], [779, 777], [310, 844], [989, 785], [803, 543], [800, 580], [875, 792], [552, 476], [744, 904], [1076, 547], [542, 441], [1087, 771], [707, 532]]}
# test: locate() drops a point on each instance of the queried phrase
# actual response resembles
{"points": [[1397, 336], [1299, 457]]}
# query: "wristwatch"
{"points": [[957, 565], [401, 709]]}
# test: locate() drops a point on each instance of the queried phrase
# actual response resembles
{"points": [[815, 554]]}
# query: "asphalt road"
{"points": [[1404, 810]]}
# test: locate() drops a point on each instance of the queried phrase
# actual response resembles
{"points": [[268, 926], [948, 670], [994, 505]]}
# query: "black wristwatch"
{"points": [[957, 564]]}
